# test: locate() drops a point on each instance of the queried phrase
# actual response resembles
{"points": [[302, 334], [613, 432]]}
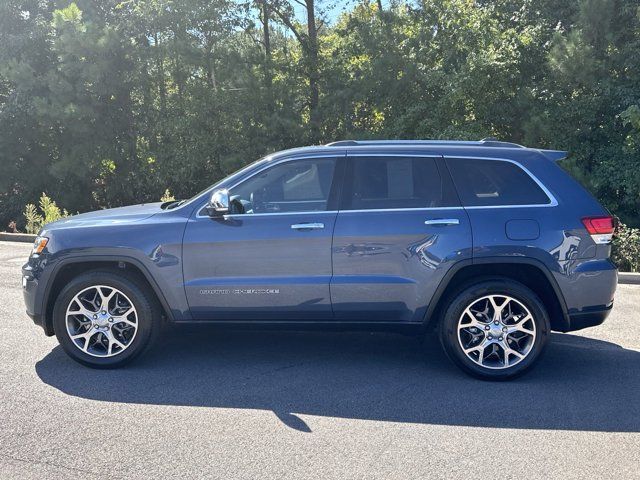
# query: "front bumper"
{"points": [[32, 293]]}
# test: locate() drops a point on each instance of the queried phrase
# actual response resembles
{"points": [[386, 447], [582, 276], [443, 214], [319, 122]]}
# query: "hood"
{"points": [[130, 214]]}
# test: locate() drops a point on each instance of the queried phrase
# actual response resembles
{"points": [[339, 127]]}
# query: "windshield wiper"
{"points": [[171, 204]]}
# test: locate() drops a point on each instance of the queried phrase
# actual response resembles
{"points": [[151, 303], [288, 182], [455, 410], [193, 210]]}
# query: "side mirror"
{"points": [[219, 203]]}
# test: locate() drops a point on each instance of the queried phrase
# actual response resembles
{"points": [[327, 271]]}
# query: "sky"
{"points": [[331, 8]]}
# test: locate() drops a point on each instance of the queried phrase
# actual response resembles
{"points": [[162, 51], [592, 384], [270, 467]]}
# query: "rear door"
{"points": [[399, 229]]}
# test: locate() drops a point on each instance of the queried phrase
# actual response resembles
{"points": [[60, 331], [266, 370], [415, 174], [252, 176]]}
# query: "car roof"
{"points": [[486, 148]]}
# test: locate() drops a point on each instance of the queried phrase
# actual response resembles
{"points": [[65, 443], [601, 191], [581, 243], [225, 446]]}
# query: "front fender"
{"points": [[153, 247]]}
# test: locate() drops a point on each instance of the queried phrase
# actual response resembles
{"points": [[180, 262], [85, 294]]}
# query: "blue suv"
{"points": [[488, 242]]}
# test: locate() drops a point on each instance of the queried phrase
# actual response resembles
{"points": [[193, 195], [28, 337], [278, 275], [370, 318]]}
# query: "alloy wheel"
{"points": [[101, 321], [496, 331]]}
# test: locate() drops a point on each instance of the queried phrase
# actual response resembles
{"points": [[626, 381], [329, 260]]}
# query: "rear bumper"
{"points": [[588, 287], [588, 318]]}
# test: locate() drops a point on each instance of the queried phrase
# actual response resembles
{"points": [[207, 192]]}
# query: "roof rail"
{"points": [[487, 142]]}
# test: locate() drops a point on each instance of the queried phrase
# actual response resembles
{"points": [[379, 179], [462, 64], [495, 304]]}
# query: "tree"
{"points": [[108, 103], [307, 36]]}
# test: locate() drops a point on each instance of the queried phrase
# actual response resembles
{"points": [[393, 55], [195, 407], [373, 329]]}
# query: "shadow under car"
{"points": [[579, 384]]}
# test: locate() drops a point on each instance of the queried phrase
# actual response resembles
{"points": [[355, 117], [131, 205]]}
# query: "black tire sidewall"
{"points": [[449, 326], [138, 296]]}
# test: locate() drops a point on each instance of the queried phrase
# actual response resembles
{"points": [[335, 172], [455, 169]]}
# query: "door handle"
{"points": [[307, 226], [442, 221]]}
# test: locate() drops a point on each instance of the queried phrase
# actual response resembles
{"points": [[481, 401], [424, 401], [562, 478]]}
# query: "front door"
{"points": [[399, 229], [272, 259]]}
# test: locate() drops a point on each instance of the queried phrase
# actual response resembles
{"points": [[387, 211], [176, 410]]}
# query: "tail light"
{"points": [[601, 229]]}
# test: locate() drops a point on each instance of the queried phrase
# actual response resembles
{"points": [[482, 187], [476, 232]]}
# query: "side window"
{"points": [[493, 182], [395, 182], [295, 186]]}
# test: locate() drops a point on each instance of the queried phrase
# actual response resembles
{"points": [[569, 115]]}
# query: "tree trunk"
{"points": [[312, 59], [161, 81], [211, 73], [268, 79], [178, 76]]}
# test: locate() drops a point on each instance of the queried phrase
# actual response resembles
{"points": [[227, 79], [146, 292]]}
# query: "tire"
{"points": [[486, 350], [111, 337]]}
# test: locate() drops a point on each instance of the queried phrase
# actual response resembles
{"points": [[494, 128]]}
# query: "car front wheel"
{"points": [[105, 319]]}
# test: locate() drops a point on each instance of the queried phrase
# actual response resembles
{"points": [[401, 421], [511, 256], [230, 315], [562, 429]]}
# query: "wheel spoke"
{"points": [[113, 341], [516, 353], [472, 321], [80, 309], [125, 314], [85, 335], [510, 351], [481, 353], [520, 326], [105, 298], [497, 307], [478, 348], [117, 320], [87, 342]]}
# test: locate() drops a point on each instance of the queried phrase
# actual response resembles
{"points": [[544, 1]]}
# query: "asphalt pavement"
{"points": [[207, 403]]}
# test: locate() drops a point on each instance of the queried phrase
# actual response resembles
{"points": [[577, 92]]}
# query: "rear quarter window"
{"points": [[481, 182]]}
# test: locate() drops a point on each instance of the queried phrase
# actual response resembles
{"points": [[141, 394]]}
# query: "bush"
{"points": [[49, 212], [626, 249]]}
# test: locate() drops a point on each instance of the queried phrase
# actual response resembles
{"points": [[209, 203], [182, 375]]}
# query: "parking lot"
{"points": [[258, 405]]}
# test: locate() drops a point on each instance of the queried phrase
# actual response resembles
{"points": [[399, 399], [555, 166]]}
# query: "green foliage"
{"points": [[34, 220], [71, 14], [49, 212], [167, 197], [626, 249], [110, 103]]}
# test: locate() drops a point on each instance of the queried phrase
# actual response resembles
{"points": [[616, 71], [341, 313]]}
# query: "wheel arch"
{"points": [[530, 272], [71, 267]]}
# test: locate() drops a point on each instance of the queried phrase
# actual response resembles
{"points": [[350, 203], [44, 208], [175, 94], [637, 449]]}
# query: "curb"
{"points": [[17, 237], [629, 278]]}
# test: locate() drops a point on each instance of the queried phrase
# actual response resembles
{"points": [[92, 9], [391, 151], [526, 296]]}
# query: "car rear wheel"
{"points": [[495, 329], [104, 319]]}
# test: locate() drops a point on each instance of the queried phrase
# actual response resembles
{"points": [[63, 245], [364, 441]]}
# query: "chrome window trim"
{"points": [[300, 201], [552, 199], [265, 167], [414, 209], [267, 159], [269, 214], [391, 154], [309, 212], [346, 154]]}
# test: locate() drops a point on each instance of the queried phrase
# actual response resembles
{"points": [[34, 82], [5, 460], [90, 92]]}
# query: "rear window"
{"points": [[494, 182], [395, 182]]}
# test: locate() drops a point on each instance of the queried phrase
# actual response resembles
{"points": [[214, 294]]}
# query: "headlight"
{"points": [[39, 244]]}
